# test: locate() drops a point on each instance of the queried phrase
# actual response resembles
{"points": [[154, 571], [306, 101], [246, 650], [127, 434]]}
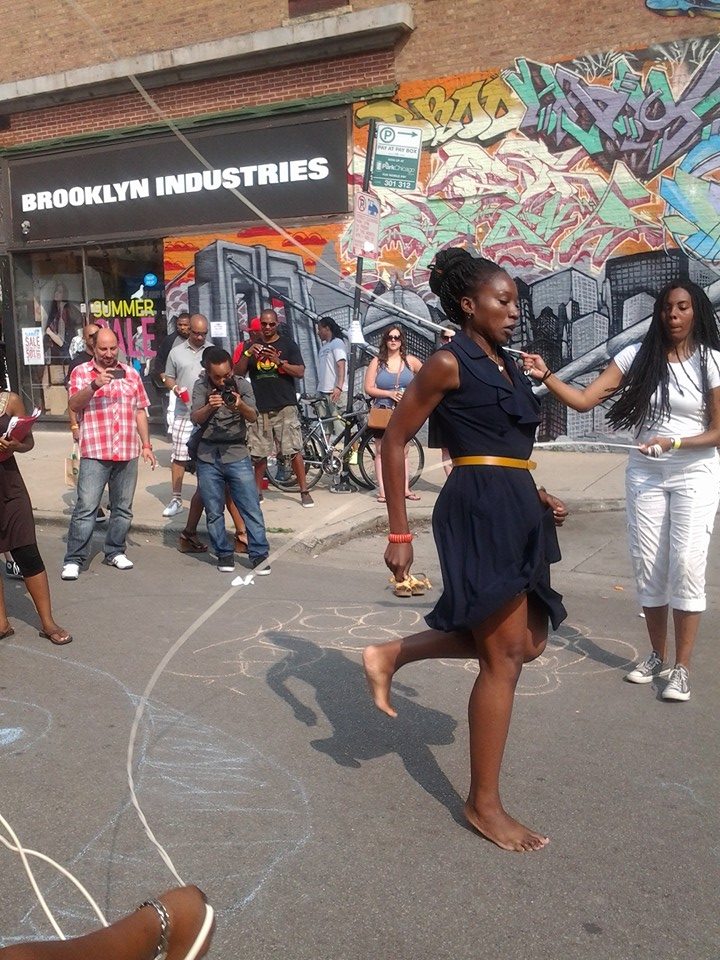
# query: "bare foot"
{"points": [[503, 831], [379, 673]]}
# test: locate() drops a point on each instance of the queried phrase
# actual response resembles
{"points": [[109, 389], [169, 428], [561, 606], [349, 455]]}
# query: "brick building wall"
{"points": [[450, 36], [302, 82]]}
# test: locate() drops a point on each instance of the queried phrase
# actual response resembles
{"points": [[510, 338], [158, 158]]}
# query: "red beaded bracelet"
{"points": [[400, 537]]}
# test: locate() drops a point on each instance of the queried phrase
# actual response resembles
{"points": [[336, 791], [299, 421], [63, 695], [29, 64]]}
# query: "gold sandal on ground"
{"points": [[401, 588], [419, 584]]}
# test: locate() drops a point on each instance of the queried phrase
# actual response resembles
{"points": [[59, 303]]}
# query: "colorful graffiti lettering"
{"points": [[635, 119], [687, 8], [482, 111]]}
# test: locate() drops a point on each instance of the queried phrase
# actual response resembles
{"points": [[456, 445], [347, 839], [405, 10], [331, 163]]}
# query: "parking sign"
{"points": [[366, 226], [397, 157]]}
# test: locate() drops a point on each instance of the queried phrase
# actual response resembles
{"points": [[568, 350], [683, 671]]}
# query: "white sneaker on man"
{"points": [[173, 508], [121, 562], [70, 571]]}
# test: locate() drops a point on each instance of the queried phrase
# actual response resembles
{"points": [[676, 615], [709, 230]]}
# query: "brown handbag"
{"points": [[379, 417]]}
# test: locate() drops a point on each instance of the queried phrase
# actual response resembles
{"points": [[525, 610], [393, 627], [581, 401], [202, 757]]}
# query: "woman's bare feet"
{"points": [[379, 665], [503, 831]]}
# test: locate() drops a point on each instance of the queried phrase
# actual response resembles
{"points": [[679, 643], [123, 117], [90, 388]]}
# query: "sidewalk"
{"points": [[587, 482]]}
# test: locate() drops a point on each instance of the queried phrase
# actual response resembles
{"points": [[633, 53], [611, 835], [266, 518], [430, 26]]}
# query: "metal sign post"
{"points": [[343, 484]]}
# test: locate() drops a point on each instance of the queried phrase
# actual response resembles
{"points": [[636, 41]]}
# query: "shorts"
{"points": [[275, 432], [181, 430]]}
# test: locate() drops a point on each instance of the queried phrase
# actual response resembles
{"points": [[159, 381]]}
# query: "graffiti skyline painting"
{"points": [[593, 182]]}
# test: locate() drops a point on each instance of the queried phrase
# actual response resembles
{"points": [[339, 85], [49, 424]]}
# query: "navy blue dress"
{"points": [[494, 538]]}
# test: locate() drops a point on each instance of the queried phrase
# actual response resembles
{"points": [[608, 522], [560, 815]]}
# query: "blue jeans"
{"points": [[120, 476], [240, 479]]}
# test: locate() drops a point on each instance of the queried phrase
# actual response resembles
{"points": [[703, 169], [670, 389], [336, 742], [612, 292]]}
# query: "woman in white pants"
{"points": [[668, 392]]}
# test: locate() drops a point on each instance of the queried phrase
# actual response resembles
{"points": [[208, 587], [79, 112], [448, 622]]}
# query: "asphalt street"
{"points": [[322, 830]]}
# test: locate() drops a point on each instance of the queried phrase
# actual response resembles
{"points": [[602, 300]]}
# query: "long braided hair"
{"points": [[650, 369], [455, 274]]}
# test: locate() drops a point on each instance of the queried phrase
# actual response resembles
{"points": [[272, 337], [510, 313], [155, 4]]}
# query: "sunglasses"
{"points": [[393, 336]]}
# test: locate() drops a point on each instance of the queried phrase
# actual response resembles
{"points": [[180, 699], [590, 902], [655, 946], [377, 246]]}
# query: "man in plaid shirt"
{"points": [[111, 404]]}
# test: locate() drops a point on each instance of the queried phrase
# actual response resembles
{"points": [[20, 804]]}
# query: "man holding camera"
{"points": [[111, 405], [222, 406], [273, 364]]}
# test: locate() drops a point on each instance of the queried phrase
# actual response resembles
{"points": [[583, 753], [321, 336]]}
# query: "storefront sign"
{"points": [[33, 351], [293, 168], [397, 157]]}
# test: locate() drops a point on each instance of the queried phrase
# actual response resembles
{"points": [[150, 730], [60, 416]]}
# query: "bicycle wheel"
{"points": [[366, 460], [280, 474]]}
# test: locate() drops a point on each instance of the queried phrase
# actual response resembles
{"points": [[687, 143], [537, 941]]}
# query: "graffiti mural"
{"points": [[684, 8], [593, 182]]}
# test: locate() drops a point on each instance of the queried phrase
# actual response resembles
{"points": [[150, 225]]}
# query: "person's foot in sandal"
{"points": [[189, 543]]}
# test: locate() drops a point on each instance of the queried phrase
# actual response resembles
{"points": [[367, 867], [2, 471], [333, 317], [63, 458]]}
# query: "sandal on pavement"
{"points": [[401, 588], [189, 543], [419, 584], [413, 496], [7, 633], [58, 637], [381, 499]]}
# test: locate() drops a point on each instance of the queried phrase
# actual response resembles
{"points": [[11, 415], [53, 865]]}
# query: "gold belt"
{"points": [[494, 462]]}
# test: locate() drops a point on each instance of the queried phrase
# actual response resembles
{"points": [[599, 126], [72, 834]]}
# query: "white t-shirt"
{"points": [[687, 407], [331, 351]]}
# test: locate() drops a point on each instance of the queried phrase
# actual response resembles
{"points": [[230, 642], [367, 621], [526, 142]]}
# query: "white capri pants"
{"points": [[671, 507]]}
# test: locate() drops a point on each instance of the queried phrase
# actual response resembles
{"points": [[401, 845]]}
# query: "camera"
{"points": [[227, 392]]}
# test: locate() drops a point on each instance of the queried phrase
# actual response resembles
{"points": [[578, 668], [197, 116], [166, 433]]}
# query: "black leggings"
{"points": [[29, 560]]}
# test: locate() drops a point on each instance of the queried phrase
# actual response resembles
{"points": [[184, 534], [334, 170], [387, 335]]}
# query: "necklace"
{"points": [[496, 360]]}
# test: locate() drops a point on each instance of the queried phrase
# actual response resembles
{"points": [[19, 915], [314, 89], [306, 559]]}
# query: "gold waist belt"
{"points": [[494, 462]]}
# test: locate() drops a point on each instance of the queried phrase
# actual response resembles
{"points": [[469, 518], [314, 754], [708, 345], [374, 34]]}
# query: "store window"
{"points": [[56, 294]]}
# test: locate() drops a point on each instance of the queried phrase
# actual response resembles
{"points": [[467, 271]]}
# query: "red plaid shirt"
{"points": [[108, 426]]}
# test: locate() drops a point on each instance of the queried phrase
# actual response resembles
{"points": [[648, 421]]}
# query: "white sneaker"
{"points": [[678, 687], [121, 562], [649, 668], [70, 571], [173, 508]]}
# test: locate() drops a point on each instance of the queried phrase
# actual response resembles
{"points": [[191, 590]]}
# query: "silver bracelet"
{"points": [[164, 917]]}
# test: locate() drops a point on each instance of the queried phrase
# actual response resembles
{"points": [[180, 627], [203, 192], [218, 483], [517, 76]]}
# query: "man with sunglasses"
{"points": [[273, 364]]}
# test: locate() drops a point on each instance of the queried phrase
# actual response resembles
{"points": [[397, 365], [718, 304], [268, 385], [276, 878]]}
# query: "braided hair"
{"points": [[650, 369], [455, 274]]}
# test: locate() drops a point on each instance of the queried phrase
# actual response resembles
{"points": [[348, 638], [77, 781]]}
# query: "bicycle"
{"points": [[327, 455]]}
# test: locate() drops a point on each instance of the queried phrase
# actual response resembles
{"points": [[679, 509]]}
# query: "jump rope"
{"points": [[16, 846]]}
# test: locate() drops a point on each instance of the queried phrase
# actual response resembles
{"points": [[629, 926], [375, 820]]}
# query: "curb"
{"points": [[331, 535]]}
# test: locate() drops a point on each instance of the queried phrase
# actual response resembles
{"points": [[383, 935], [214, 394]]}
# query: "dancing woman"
{"points": [[494, 531], [668, 390]]}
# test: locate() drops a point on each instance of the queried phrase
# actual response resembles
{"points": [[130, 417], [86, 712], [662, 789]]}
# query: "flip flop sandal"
{"points": [[401, 588], [7, 633], [58, 638], [189, 543]]}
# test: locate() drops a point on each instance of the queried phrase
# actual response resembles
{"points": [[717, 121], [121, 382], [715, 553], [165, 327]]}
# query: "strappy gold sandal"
{"points": [[419, 584], [401, 588]]}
